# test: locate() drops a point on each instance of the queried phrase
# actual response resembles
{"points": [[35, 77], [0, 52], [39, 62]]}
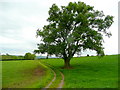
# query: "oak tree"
{"points": [[73, 28]]}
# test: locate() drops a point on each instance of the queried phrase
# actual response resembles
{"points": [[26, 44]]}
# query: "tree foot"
{"points": [[67, 67]]}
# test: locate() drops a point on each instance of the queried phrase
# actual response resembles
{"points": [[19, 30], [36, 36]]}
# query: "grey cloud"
{"points": [[17, 48], [15, 17]]}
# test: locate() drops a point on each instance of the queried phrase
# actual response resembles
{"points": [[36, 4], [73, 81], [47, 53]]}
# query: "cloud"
{"points": [[21, 18]]}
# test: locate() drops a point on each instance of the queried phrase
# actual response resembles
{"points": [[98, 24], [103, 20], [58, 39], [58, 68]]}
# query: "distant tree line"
{"points": [[27, 56]]}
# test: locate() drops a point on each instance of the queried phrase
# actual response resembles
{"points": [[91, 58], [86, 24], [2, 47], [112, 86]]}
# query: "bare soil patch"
{"points": [[38, 71]]}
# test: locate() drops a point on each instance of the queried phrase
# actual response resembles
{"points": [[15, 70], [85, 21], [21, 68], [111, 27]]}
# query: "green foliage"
{"points": [[11, 57], [29, 56], [74, 28]]}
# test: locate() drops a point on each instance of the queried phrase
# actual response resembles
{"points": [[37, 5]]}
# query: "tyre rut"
{"points": [[60, 85]]}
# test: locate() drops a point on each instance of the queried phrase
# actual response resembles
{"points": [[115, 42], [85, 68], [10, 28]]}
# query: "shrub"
{"points": [[29, 56]]}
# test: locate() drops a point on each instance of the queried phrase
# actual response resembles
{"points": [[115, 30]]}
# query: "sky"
{"points": [[19, 20]]}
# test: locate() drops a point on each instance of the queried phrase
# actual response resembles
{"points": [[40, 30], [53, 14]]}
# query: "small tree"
{"points": [[29, 56], [72, 29], [87, 55]]}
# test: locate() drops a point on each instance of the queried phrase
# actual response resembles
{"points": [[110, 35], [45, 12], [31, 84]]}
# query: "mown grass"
{"points": [[58, 79], [25, 74], [89, 72]]}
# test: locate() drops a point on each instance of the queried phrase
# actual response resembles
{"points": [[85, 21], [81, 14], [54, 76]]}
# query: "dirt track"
{"points": [[62, 81], [52, 80], [60, 85]]}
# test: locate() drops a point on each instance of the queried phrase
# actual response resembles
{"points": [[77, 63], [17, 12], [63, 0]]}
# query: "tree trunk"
{"points": [[67, 64], [47, 56]]}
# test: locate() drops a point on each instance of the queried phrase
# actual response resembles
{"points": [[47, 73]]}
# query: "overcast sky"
{"points": [[19, 20]]}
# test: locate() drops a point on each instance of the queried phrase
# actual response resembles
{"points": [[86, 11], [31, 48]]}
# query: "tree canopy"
{"points": [[29, 56], [73, 28]]}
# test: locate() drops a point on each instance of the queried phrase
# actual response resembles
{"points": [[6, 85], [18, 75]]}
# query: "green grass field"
{"points": [[25, 74], [89, 72]]}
